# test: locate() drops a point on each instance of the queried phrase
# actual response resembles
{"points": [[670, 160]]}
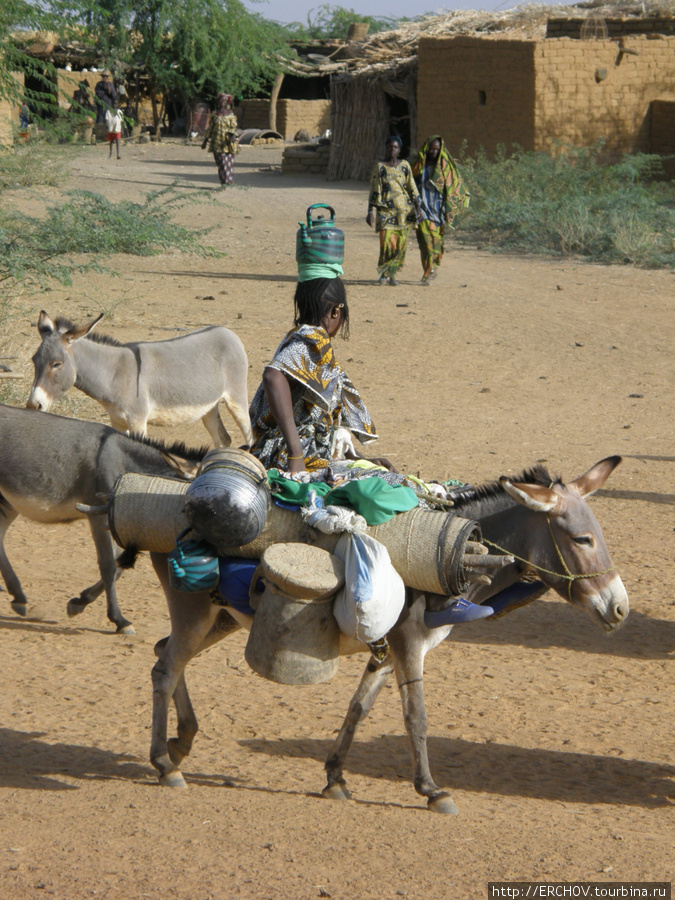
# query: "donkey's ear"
{"points": [[182, 467], [80, 331], [45, 325], [596, 476], [534, 496]]}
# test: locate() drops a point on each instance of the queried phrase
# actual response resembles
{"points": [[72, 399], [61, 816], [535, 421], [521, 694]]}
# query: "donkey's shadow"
{"points": [[28, 762], [502, 769], [551, 622]]}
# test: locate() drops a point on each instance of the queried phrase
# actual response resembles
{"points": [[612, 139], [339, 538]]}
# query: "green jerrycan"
{"points": [[319, 241]]}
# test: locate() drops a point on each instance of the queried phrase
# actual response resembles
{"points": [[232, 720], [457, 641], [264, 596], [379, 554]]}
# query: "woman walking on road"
{"points": [[221, 137], [394, 206], [442, 195]]}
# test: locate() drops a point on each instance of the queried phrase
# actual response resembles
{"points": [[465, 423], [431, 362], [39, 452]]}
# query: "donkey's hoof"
{"points": [[443, 803], [176, 755], [126, 629], [20, 608], [336, 791], [75, 607], [173, 780]]}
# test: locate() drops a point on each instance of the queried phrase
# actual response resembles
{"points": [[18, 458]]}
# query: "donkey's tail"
{"points": [[128, 556]]}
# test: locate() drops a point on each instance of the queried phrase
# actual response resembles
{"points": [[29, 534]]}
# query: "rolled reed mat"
{"points": [[426, 547]]}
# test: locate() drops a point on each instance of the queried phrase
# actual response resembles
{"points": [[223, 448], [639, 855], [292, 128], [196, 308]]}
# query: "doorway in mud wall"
{"points": [[399, 122], [40, 91]]}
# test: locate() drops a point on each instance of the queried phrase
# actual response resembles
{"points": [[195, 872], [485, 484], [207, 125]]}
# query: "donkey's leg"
{"points": [[193, 626], [77, 605], [237, 404], [107, 565], [215, 427], [168, 682], [409, 665], [373, 680], [187, 725], [12, 583]]}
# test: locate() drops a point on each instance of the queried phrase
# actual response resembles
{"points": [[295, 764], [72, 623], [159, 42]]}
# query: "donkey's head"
{"points": [[572, 557], [55, 370]]}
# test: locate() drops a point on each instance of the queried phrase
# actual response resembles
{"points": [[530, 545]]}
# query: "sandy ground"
{"points": [[555, 741]]}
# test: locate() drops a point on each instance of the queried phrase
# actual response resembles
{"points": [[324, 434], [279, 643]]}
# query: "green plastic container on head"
{"points": [[320, 241]]}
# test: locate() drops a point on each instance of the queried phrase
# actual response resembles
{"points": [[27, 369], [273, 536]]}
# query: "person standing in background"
{"points": [[106, 97]]}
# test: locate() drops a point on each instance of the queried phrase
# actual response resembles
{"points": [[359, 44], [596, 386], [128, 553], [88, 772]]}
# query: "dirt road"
{"points": [[555, 741]]}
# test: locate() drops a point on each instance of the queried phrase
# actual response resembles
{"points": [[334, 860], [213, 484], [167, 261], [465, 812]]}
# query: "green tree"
{"points": [[190, 48], [17, 16], [327, 21]]}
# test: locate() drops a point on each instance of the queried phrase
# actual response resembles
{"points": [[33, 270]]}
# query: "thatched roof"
{"points": [[379, 52]]}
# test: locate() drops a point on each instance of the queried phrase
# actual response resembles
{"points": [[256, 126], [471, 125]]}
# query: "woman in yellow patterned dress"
{"points": [[221, 137], [394, 206], [305, 395]]}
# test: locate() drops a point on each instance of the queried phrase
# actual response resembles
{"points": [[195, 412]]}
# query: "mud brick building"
{"points": [[540, 94]]}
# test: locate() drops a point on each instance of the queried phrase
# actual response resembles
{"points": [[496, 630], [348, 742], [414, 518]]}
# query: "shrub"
{"points": [[40, 250], [571, 204]]}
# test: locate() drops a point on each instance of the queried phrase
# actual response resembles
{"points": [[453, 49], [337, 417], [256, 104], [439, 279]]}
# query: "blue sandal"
{"points": [[458, 612]]}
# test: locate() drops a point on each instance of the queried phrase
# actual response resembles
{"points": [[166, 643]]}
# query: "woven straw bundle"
{"points": [[426, 547]]}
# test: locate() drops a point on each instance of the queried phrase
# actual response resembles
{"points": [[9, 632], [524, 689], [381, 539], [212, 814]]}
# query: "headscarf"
{"points": [[224, 100], [395, 139], [445, 177]]}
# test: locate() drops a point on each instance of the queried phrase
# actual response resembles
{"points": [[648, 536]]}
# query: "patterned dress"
{"points": [[322, 396], [392, 195], [221, 137], [442, 195]]}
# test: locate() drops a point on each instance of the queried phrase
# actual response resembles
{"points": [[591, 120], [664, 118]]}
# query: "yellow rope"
{"points": [[563, 576]]}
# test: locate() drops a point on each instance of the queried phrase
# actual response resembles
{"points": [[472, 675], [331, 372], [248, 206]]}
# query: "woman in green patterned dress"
{"points": [[442, 196], [394, 206]]}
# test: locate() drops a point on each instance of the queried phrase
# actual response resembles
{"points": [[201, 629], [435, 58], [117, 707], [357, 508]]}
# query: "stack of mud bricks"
{"points": [[312, 116], [305, 159]]}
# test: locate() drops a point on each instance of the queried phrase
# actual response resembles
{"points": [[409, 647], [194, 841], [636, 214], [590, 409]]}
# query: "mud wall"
{"points": [[615, 27], [292, 116], [8, 115], [541, 94], [588, 91], [476, 90]]}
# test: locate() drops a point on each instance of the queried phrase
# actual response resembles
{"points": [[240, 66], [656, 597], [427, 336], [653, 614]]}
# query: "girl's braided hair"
{"points": [[314, 299]]}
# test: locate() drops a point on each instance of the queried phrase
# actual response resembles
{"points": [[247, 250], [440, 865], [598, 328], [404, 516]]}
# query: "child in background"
{"points": [[113, 119]]}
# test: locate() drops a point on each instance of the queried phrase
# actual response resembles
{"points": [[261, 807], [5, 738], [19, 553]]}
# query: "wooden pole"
{"points": [[274, 96]]}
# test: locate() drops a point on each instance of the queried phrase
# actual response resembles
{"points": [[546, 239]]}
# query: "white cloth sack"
{"points": [[369, 604]]}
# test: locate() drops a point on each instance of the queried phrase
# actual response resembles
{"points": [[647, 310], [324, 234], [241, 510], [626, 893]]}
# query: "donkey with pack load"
{"points": [[542, 526]]}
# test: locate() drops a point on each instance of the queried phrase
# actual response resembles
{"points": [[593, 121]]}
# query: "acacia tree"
{"points": [[190, 48], [17, 16], [328, 21]]}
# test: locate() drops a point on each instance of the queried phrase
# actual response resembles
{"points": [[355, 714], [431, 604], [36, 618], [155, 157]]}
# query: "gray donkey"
{"points": [[161, 382], [50, 465], [545, 526]]}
